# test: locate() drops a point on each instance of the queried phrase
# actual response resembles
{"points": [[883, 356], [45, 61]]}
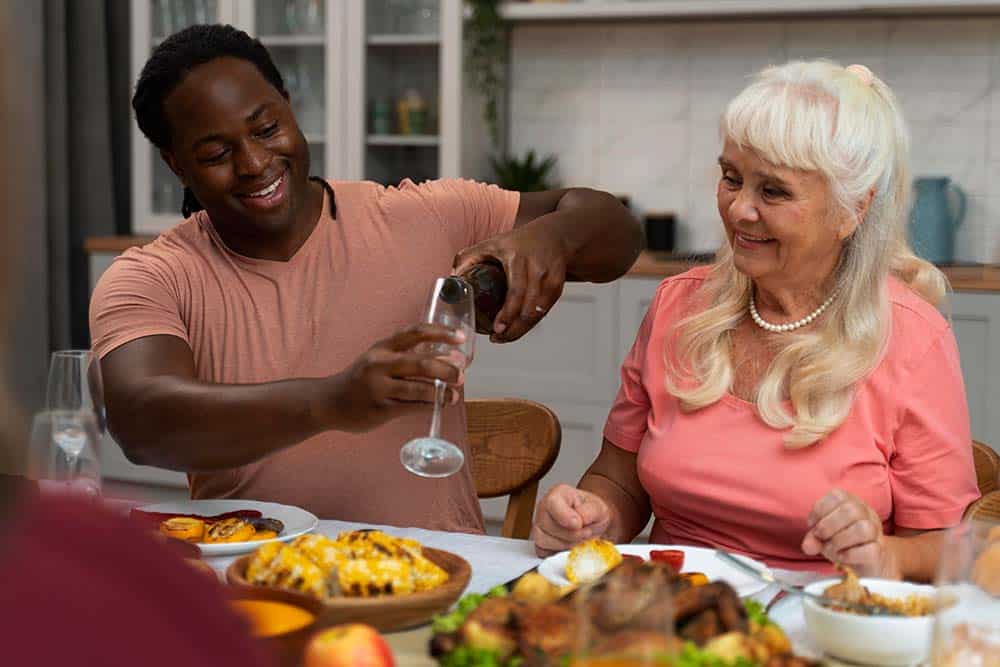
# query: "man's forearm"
{"points": [[192, 426], [603, 238]]}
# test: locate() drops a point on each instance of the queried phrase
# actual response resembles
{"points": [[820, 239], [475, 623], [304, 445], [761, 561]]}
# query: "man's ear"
{"points": [[171, 161]]}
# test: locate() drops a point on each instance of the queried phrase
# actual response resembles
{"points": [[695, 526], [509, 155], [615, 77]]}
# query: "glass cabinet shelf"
{"points": [[391, 39], [375, 86], [292, 40], [403, 140]]}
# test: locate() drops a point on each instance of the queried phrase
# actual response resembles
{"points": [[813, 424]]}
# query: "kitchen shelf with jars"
{"points": [[375, 86], [411, 73]]}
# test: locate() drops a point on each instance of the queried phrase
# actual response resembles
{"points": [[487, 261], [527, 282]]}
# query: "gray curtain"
{"points": [[86, 127], [66, 86], [25, 278]]}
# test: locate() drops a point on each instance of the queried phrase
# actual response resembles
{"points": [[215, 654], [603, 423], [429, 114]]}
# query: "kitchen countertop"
{"points": [[963, 278]]}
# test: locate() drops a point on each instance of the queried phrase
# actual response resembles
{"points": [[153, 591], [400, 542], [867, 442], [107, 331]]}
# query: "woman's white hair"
{"points": [[846, 125]]}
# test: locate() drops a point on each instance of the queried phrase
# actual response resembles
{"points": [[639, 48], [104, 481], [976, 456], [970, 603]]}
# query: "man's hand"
{"points": [[534, 258], [394, 377]]}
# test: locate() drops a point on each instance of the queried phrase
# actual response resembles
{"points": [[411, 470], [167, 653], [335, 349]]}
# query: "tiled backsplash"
{"points": [[633, 108]]}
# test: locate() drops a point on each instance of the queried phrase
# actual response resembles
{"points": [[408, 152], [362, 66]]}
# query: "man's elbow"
{"points": [[136, 448], [626, 235]]}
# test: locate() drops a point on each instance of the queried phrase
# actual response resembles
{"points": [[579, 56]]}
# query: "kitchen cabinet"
{"points": [[339, 59], [975, 319]]}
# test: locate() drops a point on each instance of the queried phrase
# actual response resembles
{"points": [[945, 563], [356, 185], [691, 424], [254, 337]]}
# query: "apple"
{"points": [[349, 645]]}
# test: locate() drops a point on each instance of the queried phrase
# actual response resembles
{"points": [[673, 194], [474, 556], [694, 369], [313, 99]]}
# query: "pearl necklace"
{"points": [[791, 326]]}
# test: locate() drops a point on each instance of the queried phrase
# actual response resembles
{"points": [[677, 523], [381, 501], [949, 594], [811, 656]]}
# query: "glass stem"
{"points": [[439, 388], [72, 467]]}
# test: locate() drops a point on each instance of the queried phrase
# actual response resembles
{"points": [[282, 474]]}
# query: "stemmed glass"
{"points": [[75, 383], [967, 620], [452, 306], [62, 454], [74, 388]]}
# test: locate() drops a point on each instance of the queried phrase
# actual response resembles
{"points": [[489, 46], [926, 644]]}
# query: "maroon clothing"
{"points": [[82, 586]]}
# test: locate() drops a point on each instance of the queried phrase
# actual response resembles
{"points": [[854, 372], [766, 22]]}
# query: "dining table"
{"points": [[499, 560]]}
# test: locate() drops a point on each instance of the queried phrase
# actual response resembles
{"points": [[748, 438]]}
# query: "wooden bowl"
{"points": [[385, 613], [286, 647]]}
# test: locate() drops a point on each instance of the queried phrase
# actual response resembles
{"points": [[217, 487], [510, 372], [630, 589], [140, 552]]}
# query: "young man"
{"points": [[238, 346]]}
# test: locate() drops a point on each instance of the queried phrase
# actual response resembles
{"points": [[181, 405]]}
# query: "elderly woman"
{"points": [[799, 401]]}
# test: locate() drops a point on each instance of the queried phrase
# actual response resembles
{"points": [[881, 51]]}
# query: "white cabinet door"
{"points": [[975, 318], [636, 295], [581, 441], [568, 356]]}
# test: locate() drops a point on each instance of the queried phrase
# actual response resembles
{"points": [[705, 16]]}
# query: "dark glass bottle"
{"points": [[489, 283]]}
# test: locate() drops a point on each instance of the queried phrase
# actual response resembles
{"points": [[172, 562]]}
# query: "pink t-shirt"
{"points": [[357, 279], [721, 477]]}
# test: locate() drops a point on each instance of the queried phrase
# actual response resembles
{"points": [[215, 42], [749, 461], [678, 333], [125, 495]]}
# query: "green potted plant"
{"points": [[524, 174], [486, 60], [486, 35]]}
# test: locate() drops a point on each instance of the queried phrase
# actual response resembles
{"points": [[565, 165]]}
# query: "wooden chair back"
{"points": [[987, 463], [514, 442]]}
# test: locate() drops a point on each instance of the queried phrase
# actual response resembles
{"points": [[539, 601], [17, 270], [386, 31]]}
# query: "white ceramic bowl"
{"points": [[874, 640]]}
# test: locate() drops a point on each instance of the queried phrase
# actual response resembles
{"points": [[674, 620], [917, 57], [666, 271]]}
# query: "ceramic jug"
{"points": [[933, 220]]}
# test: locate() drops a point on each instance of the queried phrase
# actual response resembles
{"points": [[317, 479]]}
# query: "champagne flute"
{"points": [[74, 385], [967, 616], [452, 306], [62, 452]]}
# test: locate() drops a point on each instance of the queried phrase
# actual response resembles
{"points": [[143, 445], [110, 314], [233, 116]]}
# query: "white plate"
{"points": [[696, 559], [297, 521]]}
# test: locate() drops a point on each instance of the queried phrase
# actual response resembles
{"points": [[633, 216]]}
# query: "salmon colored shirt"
{"points": [[721, 477], [357, 279]]}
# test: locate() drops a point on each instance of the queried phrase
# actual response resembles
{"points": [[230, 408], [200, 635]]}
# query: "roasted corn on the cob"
{"points": [[590, 560], [277, 564], [356, 564], [369, 577]]}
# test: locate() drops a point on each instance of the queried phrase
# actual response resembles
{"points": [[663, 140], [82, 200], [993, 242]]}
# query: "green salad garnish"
{"points": [[453, 620], [756, 613]]}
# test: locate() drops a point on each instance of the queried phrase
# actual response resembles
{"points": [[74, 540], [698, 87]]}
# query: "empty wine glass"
{"points": [[967, 620], [62, 452], [452, 306], [75, 384]]}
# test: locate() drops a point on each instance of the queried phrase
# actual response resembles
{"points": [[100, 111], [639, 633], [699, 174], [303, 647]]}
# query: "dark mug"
{"points": [[660, 231]]}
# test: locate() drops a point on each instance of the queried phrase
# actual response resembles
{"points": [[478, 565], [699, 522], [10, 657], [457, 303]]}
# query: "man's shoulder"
{"points": [[172, 251]]}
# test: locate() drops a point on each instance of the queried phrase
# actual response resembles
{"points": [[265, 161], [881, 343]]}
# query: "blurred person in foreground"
{"points": [[83, 586], [800, 400]]}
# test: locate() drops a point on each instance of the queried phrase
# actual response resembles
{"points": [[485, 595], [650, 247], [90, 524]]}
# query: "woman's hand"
{"points": [[845, 530], [567, 516], [392, 378], [534, 259]]}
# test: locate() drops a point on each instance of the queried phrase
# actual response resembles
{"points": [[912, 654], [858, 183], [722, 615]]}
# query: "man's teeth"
{"points": [[268, 190], [755, 238]]}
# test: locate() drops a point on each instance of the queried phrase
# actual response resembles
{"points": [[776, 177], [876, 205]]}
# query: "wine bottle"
{"points": [[489, 286]]}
